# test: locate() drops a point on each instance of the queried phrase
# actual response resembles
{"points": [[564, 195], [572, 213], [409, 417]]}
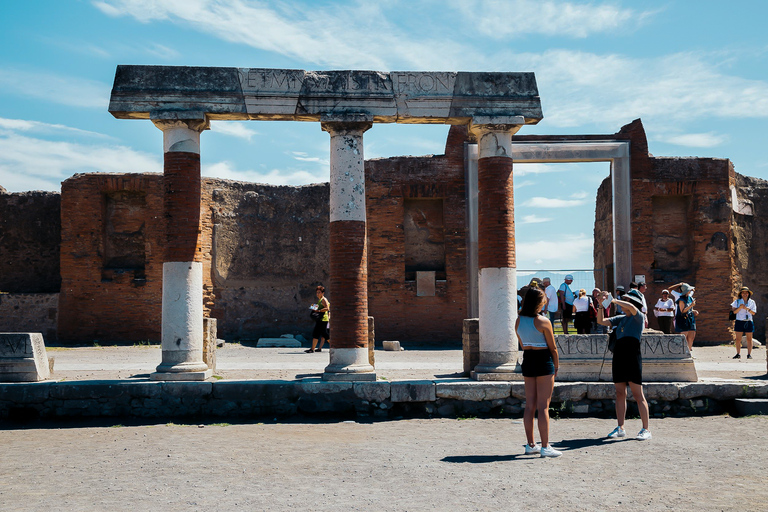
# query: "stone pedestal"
{"points": [[23, 357], [348, 253]]}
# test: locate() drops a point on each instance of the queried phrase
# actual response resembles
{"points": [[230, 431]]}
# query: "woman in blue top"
{"points": [[540, 364], [627, 361], [685, 318]]}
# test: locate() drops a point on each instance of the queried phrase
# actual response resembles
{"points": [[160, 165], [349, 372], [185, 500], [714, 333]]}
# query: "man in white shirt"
{"points": [[551, 294]]}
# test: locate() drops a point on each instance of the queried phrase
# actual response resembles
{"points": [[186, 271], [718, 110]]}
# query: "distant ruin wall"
{"points": [[30, 312], [30, 231]]}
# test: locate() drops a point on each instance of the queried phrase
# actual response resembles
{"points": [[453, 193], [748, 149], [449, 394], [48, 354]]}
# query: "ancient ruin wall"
{"points": [[30, 232], [750, 237], [112, 243], [268, 252], [416, 211]]}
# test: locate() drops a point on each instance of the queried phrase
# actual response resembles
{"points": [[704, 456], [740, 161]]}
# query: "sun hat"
{"points": [[619, 288], [685, 288], [568, 276], [745, 289], [665, 291], [635, 298]]}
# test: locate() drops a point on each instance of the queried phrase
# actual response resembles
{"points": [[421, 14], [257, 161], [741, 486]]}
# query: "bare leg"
{"points": [[737, 343], [749, 343], [530, 409], [689, 336], [314, 342], [621, 401], [544, 386], [564, 323], [642, 403], [322, 343]]}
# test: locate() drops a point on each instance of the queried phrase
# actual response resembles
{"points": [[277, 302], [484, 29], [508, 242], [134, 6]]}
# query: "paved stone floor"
{"points": [[236, 361], [701, 464]]}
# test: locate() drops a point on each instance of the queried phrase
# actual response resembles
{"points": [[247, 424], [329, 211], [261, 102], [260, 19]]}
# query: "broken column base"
{"points": [[191, 376]]}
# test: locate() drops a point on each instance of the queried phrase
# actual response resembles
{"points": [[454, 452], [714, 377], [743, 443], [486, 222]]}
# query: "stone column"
{"points": [[182, 329], [497, 282], [348, 251]]}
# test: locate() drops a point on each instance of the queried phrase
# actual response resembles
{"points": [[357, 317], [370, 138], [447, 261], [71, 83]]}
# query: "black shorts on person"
{"points": [[627, 363], [744, 326], [537, 363], [567, 311], [321, 331]]}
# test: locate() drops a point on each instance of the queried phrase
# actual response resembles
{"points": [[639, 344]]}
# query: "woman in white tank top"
{"points": [[540, 364]]}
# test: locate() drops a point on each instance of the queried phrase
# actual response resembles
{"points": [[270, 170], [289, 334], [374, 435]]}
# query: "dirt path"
{"points": [[714, 463]]}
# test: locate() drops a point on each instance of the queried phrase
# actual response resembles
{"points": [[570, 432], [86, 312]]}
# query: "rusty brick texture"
{"points": [[181, 182], [496, 213], [349, 282]]}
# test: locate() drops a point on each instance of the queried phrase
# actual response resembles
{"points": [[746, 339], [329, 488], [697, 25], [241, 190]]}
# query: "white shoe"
{"points": [[548, 451], [532, 450], [617, 432], [644, 435]]}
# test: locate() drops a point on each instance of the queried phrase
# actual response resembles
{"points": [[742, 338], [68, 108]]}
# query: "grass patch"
{"points": [[217, 377], [462, 418], [220, 425], [117, 426]]}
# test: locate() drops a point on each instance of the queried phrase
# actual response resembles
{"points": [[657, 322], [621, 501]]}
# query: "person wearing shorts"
{"points": [[321, 332], [565, 297], [745, 308], [540, 363]]}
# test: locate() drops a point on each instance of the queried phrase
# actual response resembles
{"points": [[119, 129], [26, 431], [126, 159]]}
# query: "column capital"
{"points": [[480, 125], [343, 124], [189, 120]]}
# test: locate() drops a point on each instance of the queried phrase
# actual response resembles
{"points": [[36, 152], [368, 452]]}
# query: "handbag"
{"points": [[731, 316], [316, 315]]}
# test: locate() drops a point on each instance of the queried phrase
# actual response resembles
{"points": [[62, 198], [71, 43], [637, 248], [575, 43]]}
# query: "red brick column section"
{"points": [[496, 216], [349, 280], [181, 182]]}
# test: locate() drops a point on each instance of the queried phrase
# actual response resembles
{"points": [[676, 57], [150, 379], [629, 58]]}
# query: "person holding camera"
{"points": [[745, 308], [627, 364]]}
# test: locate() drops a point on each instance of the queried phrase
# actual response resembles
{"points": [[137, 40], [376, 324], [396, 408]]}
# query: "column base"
{"points": [[497, 366], [491, 376], [177, 376], [349, 364], [350, 377]]}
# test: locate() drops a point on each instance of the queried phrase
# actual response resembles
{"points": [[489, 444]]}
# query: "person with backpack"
{"points": [[744, 308]]}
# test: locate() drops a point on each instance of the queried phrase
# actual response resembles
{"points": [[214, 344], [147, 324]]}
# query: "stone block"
{"points": [[601, 391], [720, 391], [473, 391], [425, 283], [316, 386], [23, 357], [751, 406], [371, 342], [413, 391], [187, 389], [89, 390], [660, 391], [569, 392], [181, 376], [26, 393], [375, 392], [264, 391], [210, 333], [517, 390], [391, 345], [278, 342], [470, 344]]}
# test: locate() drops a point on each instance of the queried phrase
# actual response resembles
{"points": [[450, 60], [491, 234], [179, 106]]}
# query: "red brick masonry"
{"points": [[182, 206], [349, 282], [496, 217]]}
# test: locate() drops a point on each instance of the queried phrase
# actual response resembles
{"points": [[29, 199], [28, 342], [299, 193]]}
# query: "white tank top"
{"points": [[529, 335]]}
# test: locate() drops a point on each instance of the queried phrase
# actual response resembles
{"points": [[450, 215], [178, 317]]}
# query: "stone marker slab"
{"points": [[23, 357], [391, 345], [278, 342], [751, 406]]}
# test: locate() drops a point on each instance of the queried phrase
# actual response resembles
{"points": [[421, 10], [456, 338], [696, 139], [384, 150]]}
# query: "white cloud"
{"points": [[227, 170], [556, 251], [502, 19], [528, 169], [161, 51], [66, 90], [304, 157], [695, 140], [551, 202], [234, 129], [23, 125], [534, 219], [32, 163], [579, 195]]}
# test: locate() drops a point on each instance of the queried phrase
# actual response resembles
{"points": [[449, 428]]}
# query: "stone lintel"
{"points": [[298, 95]]}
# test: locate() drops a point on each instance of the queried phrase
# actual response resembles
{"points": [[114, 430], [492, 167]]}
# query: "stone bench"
{"points": [[23, 357]]}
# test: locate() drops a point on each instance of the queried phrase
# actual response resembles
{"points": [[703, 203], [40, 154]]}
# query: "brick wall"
{"points": [[30, 232], [668, 249], [400, 314], [109, 302]]}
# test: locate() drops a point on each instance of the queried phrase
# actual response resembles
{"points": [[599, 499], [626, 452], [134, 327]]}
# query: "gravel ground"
{"points": [[703, 464]]}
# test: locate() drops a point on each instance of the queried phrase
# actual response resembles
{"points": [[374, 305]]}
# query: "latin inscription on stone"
{"points": [[345, 82], [15, 346], [594, 346], [415, 83], [283, 80]]}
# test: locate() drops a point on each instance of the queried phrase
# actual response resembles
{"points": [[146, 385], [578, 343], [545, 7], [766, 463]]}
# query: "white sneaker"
{"points": [[644, 435], [548, 451], [532, 450], [617, 432]]}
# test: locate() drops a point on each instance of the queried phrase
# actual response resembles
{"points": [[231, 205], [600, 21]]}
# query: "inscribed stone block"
{"points": [[23, 357]]}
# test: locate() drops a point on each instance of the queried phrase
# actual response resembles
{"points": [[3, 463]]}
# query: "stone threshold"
{"points": [[380, 399]]}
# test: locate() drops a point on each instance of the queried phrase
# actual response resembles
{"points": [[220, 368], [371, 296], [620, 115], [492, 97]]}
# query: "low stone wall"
{"points": [[386, 400], [30, 312]]}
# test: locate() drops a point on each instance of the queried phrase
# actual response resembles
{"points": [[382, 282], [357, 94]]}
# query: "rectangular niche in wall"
{"points": [[424, 237], [124, 247], [672, 236]]}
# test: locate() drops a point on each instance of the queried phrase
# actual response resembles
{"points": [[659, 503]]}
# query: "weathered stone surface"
{"points": [[601, 391], [751, 406], [659, 391], [517, 390], [29, 312], [266, 391], [209, 342], [391, 345], [719, 391], [372, 391], [23, 357], [316, 386], [569, 392], [473, 391], [470, 343], [289, 94], [413, 391], [187, 389]]}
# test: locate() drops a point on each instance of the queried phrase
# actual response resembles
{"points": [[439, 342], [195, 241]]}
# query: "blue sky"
{"points": [[695, 72]]}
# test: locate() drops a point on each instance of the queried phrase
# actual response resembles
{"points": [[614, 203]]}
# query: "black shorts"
{"points": [[537, 363], [567, 311], [744, 326], [321, 331], [627, 365]]}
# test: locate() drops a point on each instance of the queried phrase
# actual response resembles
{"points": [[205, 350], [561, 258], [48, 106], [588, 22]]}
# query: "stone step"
{"points": [[751, 406]]}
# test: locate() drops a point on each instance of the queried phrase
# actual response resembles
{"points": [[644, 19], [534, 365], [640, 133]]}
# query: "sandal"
{"points": [[309, 351], [318, 350]]}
